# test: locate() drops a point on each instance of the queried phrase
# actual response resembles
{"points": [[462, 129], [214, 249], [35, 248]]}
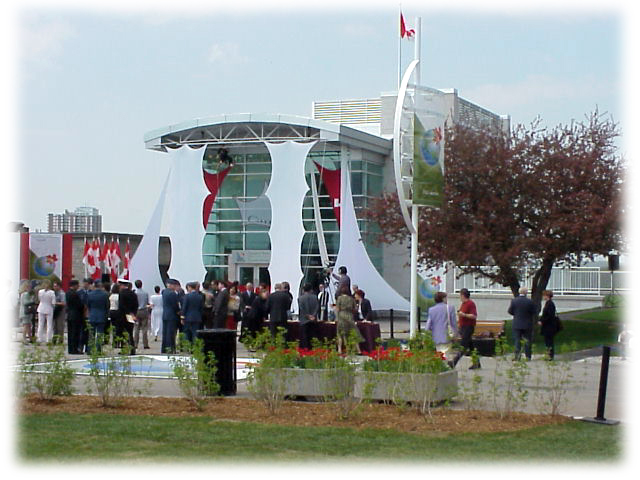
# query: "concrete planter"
{"points": [[406, 387], [315, 382]]}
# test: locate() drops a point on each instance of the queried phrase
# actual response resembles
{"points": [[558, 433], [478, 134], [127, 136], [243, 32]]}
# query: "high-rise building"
{"points": [[81, 220]]}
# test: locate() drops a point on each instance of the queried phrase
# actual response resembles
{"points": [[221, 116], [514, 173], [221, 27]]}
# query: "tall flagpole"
{"points": [[399, 48], [413, 314]]}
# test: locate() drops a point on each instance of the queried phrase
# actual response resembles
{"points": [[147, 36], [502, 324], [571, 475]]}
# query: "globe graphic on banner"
{"points": [[430, 147], [43, 266], [426, 289]]}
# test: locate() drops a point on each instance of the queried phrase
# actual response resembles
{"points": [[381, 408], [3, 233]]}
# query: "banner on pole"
{"points": [[428, 163], [45, 257]]}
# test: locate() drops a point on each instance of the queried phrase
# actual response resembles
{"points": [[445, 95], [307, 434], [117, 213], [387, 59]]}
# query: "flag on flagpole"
{"points": [[85, 259], [105, 256], [404, 31], [94, 258], [127, 259], [115, 259]]}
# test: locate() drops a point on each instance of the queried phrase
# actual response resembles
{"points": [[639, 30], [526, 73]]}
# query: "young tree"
{"points": [[533, 197]]}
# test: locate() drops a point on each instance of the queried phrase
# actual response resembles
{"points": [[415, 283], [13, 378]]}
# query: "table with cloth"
{"points": [[327, 330]]}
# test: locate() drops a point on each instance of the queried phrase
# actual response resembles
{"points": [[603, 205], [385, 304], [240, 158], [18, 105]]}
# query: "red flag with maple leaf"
{"points": [[127, 259], [94, 257], [404, 31]]}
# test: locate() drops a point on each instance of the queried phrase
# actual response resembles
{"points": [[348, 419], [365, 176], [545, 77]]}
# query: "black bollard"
{"points": [[419, 318], [391, 322], [602, 391]]}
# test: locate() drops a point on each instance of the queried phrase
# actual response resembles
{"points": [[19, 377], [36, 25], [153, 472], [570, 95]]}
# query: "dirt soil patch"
{"points": [[299, 413]]}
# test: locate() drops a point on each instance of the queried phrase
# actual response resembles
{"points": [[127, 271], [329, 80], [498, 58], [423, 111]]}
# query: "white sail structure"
{"points": [[186, 192], [144, 264], [353, 255], [286, 192]]}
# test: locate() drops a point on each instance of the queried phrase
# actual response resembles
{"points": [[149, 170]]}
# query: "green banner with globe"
{"points": [[428, 168]]}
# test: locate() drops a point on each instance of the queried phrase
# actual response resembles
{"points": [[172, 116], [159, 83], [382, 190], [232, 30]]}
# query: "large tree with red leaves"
{"points": [[532, 197]]}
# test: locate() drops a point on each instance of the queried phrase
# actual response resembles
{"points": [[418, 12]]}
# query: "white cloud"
{"points": [[42, 43], [227, 53]]}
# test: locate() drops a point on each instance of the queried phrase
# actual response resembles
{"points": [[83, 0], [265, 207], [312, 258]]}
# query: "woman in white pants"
{"points": [[156, 312], [47, 299]]}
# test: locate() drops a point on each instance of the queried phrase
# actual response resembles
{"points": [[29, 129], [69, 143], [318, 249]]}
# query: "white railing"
{"points": [[563, 281]]}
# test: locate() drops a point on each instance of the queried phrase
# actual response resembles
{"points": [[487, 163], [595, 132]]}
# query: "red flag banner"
{"points": [[115, 259], [127, 259], [331, 180], [213, 182], [409, 33], [94, 258]]}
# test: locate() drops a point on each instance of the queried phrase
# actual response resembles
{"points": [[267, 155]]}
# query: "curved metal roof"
{"points": [[247, 128]]}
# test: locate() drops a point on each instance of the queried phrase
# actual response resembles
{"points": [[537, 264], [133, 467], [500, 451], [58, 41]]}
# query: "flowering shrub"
{"points": [[276, 353], [397, 360], [296, 357], [421, 357]]}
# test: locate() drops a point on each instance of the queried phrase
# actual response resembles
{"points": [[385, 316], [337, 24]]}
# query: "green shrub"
{"points": [[196, 373], [46, 372]]}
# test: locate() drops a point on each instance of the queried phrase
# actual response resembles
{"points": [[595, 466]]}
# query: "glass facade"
{"points": [[230, 228]]}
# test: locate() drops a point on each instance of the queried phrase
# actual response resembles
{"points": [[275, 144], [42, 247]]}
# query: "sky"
{"points": [[89, 83]]}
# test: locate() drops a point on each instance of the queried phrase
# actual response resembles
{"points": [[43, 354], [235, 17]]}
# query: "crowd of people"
{"points": [[96, 313]]}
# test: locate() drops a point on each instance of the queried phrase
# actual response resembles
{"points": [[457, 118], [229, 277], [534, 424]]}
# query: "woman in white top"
{"points": [[114, 313], [156, 312], [47, 299]]}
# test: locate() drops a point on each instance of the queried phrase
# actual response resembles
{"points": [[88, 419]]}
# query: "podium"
{"points": [[222, 342]]}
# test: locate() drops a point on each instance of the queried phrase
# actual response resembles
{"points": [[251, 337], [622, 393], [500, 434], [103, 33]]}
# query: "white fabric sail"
{"points": [[185, 195], [286, 192], [144, 264], [353, 255]]}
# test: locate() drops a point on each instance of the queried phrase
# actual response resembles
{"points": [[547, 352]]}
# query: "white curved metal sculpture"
{"points": [[286, 192], [185, 194]]}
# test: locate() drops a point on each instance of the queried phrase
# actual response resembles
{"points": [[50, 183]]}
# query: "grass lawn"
{"points": [[609, 315], [588, 330], [68, 437]]}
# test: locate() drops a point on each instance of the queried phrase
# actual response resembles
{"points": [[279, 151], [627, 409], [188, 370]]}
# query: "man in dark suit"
{"points": [[84, 332], [170, 316], [247, 298], [278, 306], [75, 318], [98, 305], [128, 305], [192, 312], [524, 311], [308, 311], [221, 306]]}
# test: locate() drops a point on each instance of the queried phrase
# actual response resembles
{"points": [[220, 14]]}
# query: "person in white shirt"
{"points": [[47, 299], [156, 312]]}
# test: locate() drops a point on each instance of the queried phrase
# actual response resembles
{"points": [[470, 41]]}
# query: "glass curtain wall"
{"points": [[249, 178]]}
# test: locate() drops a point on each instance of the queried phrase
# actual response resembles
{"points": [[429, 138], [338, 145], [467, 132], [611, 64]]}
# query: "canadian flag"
{"points": [[115, 259], [88, 260], [105, 255], [94, 258], [127, 259], [409, 33]]}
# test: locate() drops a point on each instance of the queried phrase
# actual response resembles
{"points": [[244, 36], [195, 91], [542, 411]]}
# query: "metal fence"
{"points": [[563, 281]]}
